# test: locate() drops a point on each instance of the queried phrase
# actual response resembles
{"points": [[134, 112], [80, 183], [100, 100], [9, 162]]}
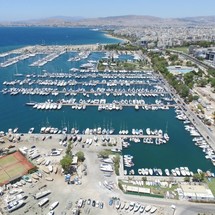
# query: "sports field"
{"points": [[13, 166]]}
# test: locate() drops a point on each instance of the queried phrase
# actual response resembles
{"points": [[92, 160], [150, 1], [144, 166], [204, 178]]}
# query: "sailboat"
{"points": [[16, 74], [30, 103]]}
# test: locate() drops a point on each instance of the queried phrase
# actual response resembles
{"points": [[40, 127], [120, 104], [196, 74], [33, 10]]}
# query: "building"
{"points": [[195, 193]]}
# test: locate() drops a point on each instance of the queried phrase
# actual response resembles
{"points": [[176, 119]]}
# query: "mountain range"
{"points": [[128, 20]]}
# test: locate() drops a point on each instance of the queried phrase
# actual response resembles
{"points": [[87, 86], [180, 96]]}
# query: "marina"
{"points": [[63, 93]]}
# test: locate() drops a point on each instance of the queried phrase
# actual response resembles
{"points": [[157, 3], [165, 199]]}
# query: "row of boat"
{"points": [[134, 207], [47, 106], [182, 171], [53, 54], [121, 77], [47, 58], [80, 56], [68, 92], [197, 138]]}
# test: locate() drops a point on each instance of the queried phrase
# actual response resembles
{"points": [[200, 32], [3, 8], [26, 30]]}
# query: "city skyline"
{"points": [[11, 10]]}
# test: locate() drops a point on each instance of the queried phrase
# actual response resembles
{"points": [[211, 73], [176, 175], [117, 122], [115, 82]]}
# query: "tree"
{"points": [[202, 82], [120, 185], [199, 177], [213, 114], [196, 177], [80, 156], [104, 154], [66, 162], [144, 179], [116, 161], [212, 82], [187, 179], [184, 91], [69, 149]]}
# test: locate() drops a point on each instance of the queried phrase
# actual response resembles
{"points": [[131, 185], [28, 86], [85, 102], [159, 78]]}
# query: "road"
{"points": [[200, 126]]}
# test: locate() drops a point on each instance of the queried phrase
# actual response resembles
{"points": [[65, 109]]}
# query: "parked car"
{"points": [[101, 205], [111, 202], [93, 203]]}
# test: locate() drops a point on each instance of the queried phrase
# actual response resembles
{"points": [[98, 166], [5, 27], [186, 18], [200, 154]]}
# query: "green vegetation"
{"points": [[121, 47], [211, 185], [202, 82], [181, 49], [66, 163], [173, 57], [104, 153], [160, 64], [204, 44], [181, 83], [121, 65], [199, 177], [155, 191], [200, 108], [69, 149], [187, 179], [116, 161], [80, 156]]}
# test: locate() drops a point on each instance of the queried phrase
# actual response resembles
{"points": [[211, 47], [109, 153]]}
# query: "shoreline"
{"points": [[114, 37]]}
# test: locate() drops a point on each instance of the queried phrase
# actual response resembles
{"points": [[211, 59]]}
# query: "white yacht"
{"points": [[14, 205], [43, 202], [31, 130], [53, 205], [167, 172], [42, 194]]}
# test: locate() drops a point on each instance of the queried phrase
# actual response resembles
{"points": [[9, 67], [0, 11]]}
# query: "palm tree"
{"points": [[213, 114]]}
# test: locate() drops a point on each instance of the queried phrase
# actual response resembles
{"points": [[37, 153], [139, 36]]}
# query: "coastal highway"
{"points": [[200, 126], [181, 207]]}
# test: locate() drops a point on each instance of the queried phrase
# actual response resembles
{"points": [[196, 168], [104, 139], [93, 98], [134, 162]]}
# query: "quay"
{"points": [[125, 105]]}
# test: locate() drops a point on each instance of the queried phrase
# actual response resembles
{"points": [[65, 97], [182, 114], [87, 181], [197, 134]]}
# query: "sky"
{"points": [[16, 10]]}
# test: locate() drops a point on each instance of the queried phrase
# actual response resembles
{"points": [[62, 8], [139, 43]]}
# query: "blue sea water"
{"points": [[180, 151], [13, 37]]}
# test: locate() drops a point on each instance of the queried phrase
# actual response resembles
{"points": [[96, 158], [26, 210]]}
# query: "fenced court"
{"points": [[13, 166]]}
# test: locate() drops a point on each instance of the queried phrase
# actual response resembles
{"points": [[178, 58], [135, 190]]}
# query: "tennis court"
{"points": [[13, 166]]}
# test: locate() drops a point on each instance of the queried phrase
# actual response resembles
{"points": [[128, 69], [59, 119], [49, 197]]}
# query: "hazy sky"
{"points": [[34, 9]]}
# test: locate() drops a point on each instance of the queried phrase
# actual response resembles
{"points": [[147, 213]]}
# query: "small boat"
{"points": [[118, 204], [126, 206], [31, 130], [150, 171], [15, 191], [42, 194], [153, 209], [136, 207], [116, 150], [49, 179], [14, 205], [131, 206], [148, 208], [15, 130], [167, 172], [122, 205], [199, 171], [55, 169], [45, 169], [53, 205], [43, 202], [50, 167], [35, 176], [141, 210], [140, 171]]}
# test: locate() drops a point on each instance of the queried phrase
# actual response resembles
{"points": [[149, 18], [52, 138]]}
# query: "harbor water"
{"points": [[179, 151]]}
